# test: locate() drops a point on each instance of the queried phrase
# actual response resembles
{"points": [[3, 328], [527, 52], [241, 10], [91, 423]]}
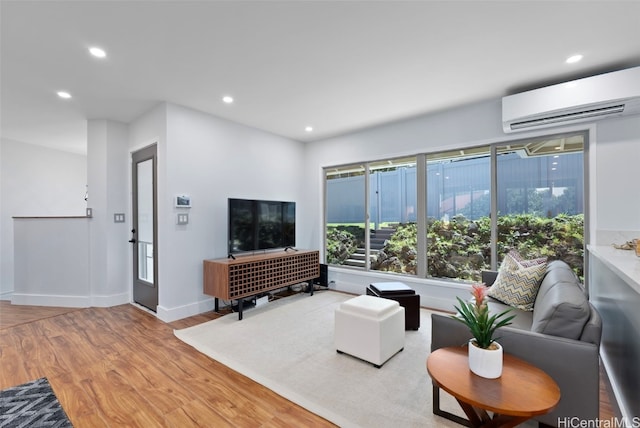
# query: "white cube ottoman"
{"points": [[370, 328]]}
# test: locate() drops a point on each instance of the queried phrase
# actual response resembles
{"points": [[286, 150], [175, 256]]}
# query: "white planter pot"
{"points": [[485, 362]]}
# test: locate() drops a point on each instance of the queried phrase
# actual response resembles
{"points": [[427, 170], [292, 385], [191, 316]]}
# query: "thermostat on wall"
{"points": [[183, 201]]}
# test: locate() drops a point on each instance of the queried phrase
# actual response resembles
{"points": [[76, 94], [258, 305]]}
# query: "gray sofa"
{"points": [[561, 336]]}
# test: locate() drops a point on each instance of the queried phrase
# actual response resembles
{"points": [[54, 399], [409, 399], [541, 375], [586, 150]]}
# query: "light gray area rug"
{"points": [[287, 346]]}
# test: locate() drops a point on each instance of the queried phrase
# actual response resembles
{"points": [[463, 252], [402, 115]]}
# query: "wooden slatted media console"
{"points": [[246, 276]]}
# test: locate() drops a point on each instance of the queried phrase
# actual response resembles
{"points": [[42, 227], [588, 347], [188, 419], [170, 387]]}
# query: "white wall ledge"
{"points": [[434, 293], [624, 263], [49, 217], [51, 261]]}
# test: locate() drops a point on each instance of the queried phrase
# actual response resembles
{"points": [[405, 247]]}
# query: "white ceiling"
{"points": [[338, 66]]}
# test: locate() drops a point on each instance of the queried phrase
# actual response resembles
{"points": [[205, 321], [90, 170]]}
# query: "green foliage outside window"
{"points": [[342, 242], [460, 248]]}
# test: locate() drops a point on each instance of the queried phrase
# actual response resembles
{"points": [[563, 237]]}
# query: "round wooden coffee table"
{"points": [[522, 392]]}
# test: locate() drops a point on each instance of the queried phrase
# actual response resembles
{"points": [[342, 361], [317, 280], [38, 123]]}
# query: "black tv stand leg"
{"points": [[240, 302], [216, 307]]}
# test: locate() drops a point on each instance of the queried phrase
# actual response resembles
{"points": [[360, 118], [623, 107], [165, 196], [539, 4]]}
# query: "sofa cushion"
{"points": [[523, 319], [561, 308], [517, 285], [592, 330]]}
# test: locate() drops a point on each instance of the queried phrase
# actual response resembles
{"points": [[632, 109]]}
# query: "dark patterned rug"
{"points": [[32, 404]]}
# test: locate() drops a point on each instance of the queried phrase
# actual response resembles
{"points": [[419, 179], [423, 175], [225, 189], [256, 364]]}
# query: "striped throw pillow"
{"points": [[517, 285]]}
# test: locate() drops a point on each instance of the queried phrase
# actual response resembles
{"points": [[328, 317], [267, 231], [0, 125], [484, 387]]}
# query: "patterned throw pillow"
{"points": [[517, 285]]}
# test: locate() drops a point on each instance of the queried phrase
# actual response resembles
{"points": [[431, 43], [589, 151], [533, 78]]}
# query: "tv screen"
{"points": [[261, 225]]}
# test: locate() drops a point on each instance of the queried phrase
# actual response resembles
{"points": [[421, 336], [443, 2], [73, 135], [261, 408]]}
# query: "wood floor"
{"points": [[121, 366]]}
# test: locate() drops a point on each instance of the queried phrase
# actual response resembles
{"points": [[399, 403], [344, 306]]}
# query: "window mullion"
{"points": [[494, 207], [367, 218], [421, 210]]}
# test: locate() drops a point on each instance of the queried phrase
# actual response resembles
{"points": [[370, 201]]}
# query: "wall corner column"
{"points": [[107, 179]]}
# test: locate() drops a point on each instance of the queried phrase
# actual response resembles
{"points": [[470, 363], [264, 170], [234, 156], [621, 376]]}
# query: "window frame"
{"points": [[421, 197]]}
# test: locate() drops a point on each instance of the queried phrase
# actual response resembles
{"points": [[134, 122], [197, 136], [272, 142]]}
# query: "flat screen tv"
{"points": [[261, 225]]}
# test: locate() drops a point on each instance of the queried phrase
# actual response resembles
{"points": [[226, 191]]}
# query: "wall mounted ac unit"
{"points": [[592, 98]]}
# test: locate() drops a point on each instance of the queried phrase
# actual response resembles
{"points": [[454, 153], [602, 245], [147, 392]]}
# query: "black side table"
{"points": [[404, 295]]}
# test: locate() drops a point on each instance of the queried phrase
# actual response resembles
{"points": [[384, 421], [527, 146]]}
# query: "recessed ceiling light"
{"points": [[573, 59], [63, 94], [97, 52], [227, 99], [308, 128]]}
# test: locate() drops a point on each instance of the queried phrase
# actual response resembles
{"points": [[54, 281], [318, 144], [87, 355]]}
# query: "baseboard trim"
{"points": [[112, 300], [69, 301], [173, 314], [50, 300]]}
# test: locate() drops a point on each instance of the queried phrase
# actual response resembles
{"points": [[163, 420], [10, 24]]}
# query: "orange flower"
{"points": [[479, 293]]}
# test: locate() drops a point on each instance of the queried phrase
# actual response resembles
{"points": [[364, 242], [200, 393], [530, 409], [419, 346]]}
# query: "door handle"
{"points": [[133, 239]]}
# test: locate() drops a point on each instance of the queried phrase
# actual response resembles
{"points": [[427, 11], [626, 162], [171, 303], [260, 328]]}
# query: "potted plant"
{"points": [[485, 354]]}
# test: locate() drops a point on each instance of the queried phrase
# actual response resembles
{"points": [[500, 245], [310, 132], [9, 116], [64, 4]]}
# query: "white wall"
{"points": [[616, 207], [51, 262], [616, 189], [107, 151], [36, 181], [614, 194], [210, 159]]}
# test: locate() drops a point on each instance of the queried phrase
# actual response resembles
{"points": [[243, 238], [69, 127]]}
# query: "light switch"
{"points": [[118, 218], [183, 218]]}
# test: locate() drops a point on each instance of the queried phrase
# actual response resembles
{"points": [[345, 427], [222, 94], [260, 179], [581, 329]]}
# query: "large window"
{"points": [[346, 216], [393, 215], [477, 204], [379, 198], [458, 213], [540, 199]]}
